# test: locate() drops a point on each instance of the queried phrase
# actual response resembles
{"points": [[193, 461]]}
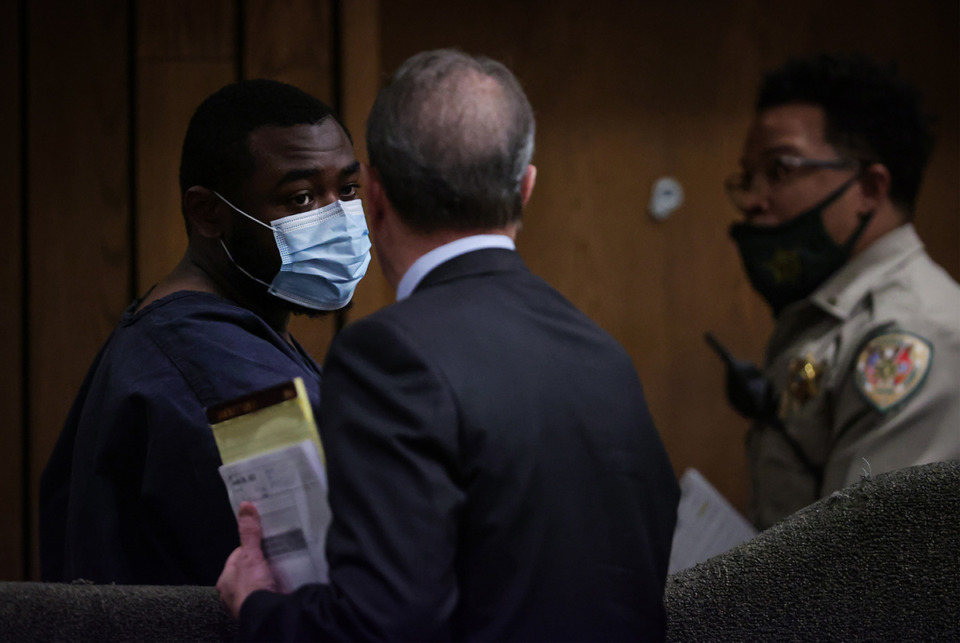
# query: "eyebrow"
{"points": [[297, 175], [353, 168], [307, 173]]}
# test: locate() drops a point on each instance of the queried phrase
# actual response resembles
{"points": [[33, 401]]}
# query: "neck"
{"points": [[885, 218], [413, 245], [197, 272]]}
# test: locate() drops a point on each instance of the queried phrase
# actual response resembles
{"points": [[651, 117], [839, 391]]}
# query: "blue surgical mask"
{"points": [[324, 254]]}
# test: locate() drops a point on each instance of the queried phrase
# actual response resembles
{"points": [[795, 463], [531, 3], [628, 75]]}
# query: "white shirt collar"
{"points": [[446, 252]]}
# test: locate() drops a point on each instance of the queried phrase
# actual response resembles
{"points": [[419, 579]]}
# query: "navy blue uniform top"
{"points": [[131, 493]]}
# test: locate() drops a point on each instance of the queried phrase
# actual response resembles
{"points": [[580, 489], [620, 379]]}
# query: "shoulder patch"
{"points": [[892, 367]]}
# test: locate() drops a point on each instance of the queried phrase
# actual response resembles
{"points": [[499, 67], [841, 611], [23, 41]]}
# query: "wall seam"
{"points": [[336, 64], [133, 92], [241, 40], [26, 529]]}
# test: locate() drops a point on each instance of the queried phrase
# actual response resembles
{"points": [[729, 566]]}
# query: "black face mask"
{"points": [[786, 263]]}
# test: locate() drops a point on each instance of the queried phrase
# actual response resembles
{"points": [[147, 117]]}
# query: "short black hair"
{"points": [[451, 136], [216, 152], [871, 113]]}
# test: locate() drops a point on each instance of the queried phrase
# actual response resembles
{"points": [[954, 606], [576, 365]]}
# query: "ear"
{"points": [[527, 183], [202, 209], [375, 197], [874, 186]]}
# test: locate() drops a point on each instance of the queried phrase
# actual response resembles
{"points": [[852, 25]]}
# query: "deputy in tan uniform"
{"points": [[862, 371]]}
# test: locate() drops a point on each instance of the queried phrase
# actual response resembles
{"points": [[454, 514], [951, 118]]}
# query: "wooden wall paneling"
{"points": [[79, 258], [293, 41], [677, 113], [931, 68], [361, 79], [185, 52], [625, 93], [185, 29], [11, 300], [644, 106]]}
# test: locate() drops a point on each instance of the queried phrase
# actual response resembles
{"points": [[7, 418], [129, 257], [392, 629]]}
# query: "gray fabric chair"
{"points": [[877, 561]]}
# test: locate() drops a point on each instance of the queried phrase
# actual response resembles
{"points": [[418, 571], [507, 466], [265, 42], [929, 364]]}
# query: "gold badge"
{"points": [[892, 367], [803, 384], [784, 266]]}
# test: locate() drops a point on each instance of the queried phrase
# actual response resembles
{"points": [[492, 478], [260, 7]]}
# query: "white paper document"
{"points": [[707, 524], [289, 488]]}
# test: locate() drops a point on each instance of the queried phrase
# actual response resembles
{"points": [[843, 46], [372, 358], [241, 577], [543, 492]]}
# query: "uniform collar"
{"points": [[848, 286]]}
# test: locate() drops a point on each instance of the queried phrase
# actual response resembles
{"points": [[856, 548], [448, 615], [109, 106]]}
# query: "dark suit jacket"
{"points": [[494, 474]]}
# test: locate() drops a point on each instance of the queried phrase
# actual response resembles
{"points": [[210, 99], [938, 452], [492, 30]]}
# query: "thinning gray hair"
{"points": [[451, 136]]}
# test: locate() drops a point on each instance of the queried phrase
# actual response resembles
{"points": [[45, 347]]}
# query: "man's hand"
{"points": [[246, 570]]}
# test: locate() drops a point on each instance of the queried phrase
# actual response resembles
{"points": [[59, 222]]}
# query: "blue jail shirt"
{"points": [[131, 493]]}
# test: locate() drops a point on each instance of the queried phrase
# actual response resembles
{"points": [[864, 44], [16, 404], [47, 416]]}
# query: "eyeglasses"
{"points": [[775, 171]]}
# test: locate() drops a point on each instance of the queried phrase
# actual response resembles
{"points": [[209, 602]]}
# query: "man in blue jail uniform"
{"points": [[131, 493]]}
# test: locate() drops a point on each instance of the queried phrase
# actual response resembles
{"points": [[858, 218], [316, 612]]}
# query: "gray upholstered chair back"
{"points": [[82, 612], [878, 561]]}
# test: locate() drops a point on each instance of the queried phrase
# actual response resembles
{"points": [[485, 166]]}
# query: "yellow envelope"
{"points": [[263, 421]]}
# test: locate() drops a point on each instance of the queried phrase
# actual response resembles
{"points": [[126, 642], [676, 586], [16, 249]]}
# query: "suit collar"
{"points": [[445, 252], [471, 264]]}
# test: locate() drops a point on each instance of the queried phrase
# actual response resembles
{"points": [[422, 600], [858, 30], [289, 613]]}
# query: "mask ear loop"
{"points": [[224, 246], [241, 211], [861, 227], [239, 267], [865, 218]]}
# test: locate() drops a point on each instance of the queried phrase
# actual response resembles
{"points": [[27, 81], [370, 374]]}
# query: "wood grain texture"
{"points": [[169, 91], [11, 299], [79, 254], [625, 93], [292, 41], [186, 29], [175, 73], [361, 80]]}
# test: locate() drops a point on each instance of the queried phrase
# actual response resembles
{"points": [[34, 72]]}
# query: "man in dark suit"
{"points": [[494, 471]]}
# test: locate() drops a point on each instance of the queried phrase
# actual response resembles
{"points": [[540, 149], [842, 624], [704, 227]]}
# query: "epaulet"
{"points": [[891, 366]]}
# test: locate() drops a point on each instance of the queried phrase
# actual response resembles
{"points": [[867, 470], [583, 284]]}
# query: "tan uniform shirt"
{"points": [[867, 370]]}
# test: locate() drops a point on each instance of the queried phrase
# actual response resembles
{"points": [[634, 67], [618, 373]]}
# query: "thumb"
{"points": [[248, 521]]}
